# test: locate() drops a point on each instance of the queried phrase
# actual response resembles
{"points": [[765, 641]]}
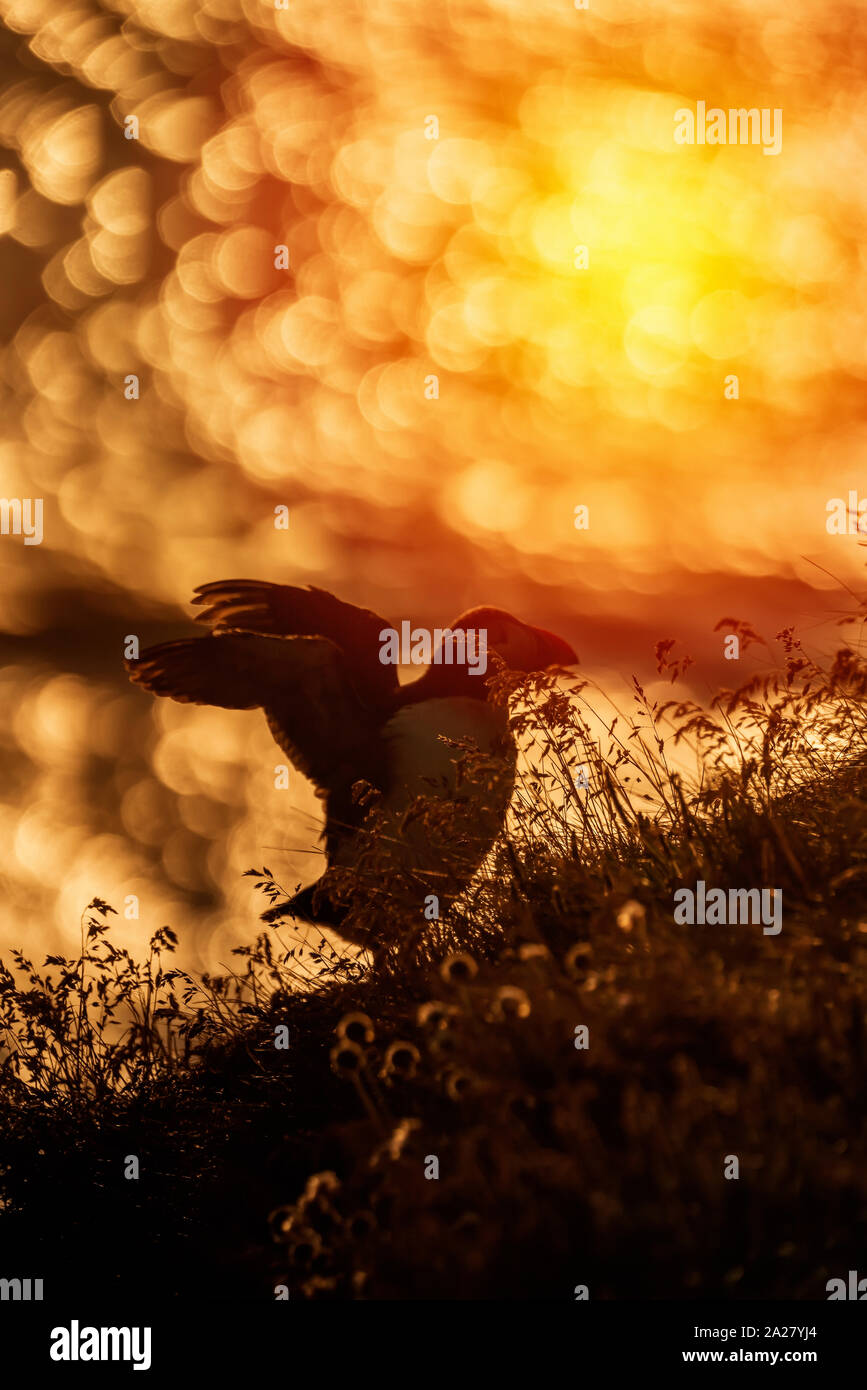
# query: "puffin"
{"points": [[415, 778]]}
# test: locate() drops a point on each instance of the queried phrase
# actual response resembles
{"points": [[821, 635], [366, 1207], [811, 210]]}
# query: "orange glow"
{"points": [[428, 377]]}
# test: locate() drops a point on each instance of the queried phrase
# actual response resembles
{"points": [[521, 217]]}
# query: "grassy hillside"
{"points": [[304, 1165]]}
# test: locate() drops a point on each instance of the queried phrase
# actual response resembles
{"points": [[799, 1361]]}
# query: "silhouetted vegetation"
{"points": [[304, 1164]]}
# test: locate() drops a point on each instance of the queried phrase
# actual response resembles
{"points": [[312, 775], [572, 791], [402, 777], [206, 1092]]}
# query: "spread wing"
{"points": [[281, 610], [301, 683]]}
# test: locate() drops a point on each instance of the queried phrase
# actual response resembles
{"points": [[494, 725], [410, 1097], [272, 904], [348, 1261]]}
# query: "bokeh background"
{"points": [[430, 169]]}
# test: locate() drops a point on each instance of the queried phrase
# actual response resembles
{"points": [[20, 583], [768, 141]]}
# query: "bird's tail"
{"points": [[320, 908], [311, 904]]}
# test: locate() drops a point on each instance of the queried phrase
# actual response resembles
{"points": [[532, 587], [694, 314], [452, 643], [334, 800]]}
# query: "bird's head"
{"points": [[520, 646]]}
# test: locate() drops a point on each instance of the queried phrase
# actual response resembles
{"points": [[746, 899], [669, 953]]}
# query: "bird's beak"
{"points": [[553, 651]]}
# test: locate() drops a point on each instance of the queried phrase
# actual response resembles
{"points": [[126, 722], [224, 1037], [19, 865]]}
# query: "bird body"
{"points": [[416, 778], [416, 738]]}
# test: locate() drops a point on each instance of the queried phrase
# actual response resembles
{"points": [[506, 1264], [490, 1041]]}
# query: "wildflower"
{"points": [[320, 1185], [459, 1084], [394, 1146], [510, 1002], [434, 1014], [401, 1058], [357, 1027], [631, 915], [577, 958], [347, 1058], [533, 950], [281, 1221], [458, 968]]}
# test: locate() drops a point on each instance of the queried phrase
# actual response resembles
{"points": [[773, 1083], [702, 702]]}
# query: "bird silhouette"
{"points": [[408, 812]]}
